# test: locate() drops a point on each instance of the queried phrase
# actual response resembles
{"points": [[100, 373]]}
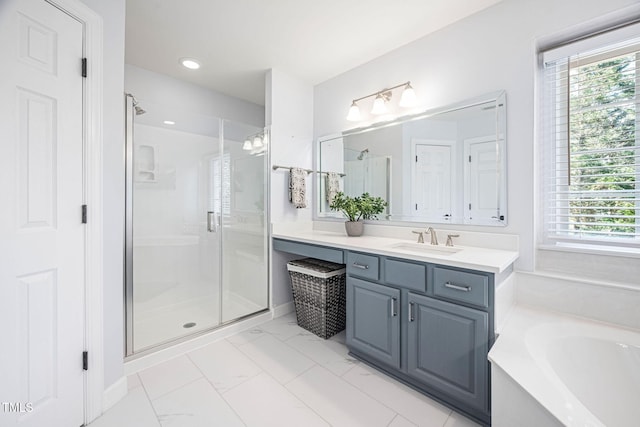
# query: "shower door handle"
{"points": [[212, 224]]}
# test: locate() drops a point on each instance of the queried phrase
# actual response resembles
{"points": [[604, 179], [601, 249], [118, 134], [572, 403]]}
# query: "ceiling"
{"points": [[237, 41]]}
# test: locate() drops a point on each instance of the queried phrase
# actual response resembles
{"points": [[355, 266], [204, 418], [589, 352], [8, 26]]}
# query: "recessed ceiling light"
{"points": [[169, 122], [190, 63]]}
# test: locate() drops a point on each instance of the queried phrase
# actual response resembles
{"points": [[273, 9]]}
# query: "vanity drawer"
{"points": [[307, 250], [461, 286], [406, 274], [362, 265]]}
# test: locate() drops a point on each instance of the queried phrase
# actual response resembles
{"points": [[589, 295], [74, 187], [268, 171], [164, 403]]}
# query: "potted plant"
{"points": [[357, 209]]}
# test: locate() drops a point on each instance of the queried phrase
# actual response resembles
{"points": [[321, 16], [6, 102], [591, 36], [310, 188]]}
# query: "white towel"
{"points": [[332, 186], [297, 187]]}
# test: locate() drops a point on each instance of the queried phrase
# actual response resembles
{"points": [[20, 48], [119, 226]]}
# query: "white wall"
{"points": [[289, 113], [178, 95], [491, 50]]}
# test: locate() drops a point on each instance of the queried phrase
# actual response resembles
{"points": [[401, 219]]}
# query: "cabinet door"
{"points": [[447, 349], [373, 322]]}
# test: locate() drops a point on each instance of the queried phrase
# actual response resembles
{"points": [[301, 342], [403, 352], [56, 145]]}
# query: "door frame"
{"points": [[93, 198]]}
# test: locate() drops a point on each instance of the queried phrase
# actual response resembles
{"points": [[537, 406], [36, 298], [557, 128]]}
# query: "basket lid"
{"points": [[316, 267]]}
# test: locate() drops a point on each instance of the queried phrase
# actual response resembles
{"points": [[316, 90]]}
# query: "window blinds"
{"points": [[591, 122]]}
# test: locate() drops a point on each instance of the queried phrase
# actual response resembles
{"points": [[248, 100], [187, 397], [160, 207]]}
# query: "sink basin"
{"points": [[426, 248]]}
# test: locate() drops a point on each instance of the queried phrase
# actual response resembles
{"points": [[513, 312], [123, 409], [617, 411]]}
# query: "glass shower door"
{"points": [[243, 223], [196, 227]]}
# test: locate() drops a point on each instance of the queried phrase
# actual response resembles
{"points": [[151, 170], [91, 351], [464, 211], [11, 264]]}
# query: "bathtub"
{"points": [[554, 370]]}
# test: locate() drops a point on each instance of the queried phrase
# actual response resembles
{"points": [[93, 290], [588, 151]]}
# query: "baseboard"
{"points": [[283, 309], [114, 393]]}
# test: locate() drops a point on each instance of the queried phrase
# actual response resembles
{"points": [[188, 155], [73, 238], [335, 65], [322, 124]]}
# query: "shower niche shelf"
{"points": [[146, 164]]}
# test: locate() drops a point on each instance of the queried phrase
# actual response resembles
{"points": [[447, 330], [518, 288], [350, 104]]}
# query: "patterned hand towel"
{"points": [[332, 185], [297, 187]]}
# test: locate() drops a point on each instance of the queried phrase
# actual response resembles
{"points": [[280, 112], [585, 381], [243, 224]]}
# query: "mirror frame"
{"points": [[501, 138]]}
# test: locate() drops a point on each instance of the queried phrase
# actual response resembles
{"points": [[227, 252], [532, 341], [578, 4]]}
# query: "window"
{"points": [[219, 198], [591, 113]]}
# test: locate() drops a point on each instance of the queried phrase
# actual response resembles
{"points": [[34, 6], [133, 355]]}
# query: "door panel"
{"points": [[41, 233], [482, 181], [434, 177], [447, 348], [373, 321]]}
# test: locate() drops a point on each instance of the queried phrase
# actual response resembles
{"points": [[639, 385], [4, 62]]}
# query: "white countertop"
{"points": [[471, 257]]}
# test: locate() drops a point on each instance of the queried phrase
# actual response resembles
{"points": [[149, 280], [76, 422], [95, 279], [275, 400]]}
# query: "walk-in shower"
{"points": [[196, 236]]}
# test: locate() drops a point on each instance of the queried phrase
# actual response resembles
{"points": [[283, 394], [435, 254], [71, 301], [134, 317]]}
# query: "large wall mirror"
{"points": [[446, 165]]}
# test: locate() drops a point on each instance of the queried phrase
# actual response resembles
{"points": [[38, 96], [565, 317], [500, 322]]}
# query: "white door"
{"points": [[482, 181], [41, 231], [433, 180]]}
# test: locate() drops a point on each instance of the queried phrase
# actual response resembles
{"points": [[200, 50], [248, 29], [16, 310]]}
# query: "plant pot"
{"points": [[354, 228]]}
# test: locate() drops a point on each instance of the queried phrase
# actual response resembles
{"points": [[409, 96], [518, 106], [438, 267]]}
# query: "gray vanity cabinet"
{"points": [[373, 323], [447, 348], [428, 325]]}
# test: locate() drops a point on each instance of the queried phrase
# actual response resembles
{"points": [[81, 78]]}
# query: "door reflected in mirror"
{"points": [[446, 165]]}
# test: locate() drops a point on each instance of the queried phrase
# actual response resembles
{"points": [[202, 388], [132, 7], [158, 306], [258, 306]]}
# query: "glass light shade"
{"points": [[379, 105], [257, 142], [247, 145], [190, 63], [354, 113], [408, 98]]}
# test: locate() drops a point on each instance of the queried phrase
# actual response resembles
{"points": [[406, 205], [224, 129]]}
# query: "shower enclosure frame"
{"points": [[129, 353]]}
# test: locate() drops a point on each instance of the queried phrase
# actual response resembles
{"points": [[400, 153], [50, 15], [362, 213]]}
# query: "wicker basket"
{"points": [[319, 295]]}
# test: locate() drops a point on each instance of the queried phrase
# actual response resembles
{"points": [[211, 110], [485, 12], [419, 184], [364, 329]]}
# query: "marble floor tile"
{"points": [[168, 376], [337, 401], [400, 421], [414, 406], [134, 410], [197, 404], [275, 357], [458, 420], [133, 381], [330, 354], [224, 365], [283, 327], [262, 402]]}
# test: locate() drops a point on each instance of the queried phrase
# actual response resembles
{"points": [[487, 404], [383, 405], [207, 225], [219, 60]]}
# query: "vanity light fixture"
{"points": [[190, 63], [407, 99], [257, 141], [380, 103], [247, 145]]}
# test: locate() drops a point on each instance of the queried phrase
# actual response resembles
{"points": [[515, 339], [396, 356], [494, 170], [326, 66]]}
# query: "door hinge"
{"points": [[469, 206], [85, 360], [416, 206], [469, 159], [84, 214], [84, 67], [416, 159]]}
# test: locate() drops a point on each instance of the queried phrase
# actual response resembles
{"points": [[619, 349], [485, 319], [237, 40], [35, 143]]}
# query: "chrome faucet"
{"points": [[420, 236], [434, 236]]}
